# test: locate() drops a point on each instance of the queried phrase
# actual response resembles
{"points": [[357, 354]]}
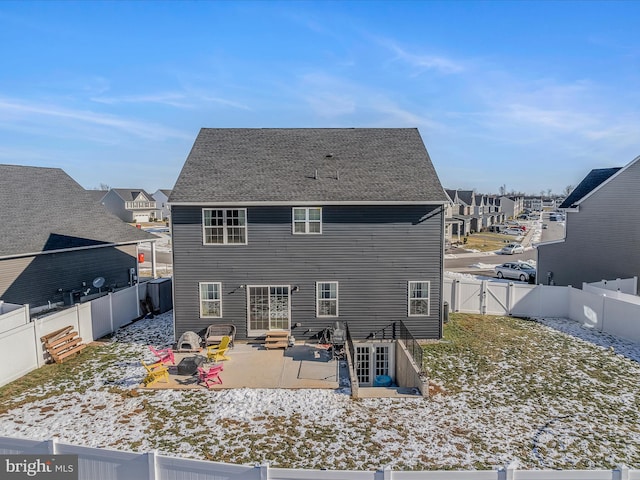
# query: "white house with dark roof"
{"points": [[602, 226], [296, 229], [161, 196], [58, 239], [130, 204]]}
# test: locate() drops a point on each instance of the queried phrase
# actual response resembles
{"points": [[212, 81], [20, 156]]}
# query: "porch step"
{"points": [[277, 339]]}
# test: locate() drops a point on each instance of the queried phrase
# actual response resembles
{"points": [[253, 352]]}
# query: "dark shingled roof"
{"points": [[279, 165], [466, 196], [130, 194], [97, 195], [45, 209], [588, 184]]}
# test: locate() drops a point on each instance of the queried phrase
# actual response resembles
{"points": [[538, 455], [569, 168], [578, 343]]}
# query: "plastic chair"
{"points": [[155, 372], [211, 376], [164, 355], [217, 352]]}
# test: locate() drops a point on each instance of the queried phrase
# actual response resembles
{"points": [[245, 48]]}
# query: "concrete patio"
{"points": [[253, 366]]}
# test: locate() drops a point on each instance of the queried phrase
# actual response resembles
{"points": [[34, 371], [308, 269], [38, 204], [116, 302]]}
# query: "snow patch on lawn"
{"points": [[486, 422]]}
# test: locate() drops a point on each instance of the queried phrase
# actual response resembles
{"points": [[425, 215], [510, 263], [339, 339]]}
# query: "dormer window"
{"points": [[307, 220]]}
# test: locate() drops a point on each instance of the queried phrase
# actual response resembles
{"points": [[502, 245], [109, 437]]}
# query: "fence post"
{"points": [[511, 470], [604, 302], [111, 311], [455, 287], [151, 461], [52, 445], [138, 299], [620, 473], [263, 472], [387, 473]]}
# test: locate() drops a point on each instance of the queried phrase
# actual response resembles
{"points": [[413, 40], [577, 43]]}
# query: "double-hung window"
{"points": [[327, 299], [419, 298], [307, 220], [224, 226], [210, 300]]}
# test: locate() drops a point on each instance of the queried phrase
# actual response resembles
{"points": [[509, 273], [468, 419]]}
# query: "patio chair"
{"points": [[217, 352], [215, 332], [211, 376], [155, 372], [164, 355]]}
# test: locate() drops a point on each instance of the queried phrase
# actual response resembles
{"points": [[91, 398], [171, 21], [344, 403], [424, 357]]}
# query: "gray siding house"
{"points": [[130, 205], [296, 229], [55, 239], [600, 236], [161, 198]]}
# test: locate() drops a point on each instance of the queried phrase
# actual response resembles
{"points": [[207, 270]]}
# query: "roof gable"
{"points": [[58, 214], [467, 197], [132, 194], [292, 165]]}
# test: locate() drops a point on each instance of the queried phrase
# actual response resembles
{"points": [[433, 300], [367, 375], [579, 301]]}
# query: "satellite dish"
{"points": [[98, 282]]}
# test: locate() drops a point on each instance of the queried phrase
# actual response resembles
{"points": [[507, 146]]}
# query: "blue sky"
{"points": [[531, 95]]}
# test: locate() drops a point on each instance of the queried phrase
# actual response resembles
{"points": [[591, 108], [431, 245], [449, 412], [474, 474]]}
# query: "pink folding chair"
{"points": [[211, 376], [164, 355]]}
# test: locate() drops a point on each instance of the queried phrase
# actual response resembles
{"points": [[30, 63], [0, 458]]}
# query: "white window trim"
{"points": [[224, 227], [428, 299], [257, 332], [318, 299], [306, 221], [200, 300]]}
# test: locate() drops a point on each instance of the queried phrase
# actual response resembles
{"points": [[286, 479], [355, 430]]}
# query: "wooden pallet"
{"points": [[62, 343], [276, 339]]}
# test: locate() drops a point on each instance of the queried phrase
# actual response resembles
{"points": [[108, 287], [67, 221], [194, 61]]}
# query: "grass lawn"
{"points": [[507, 389], [487, 241]]}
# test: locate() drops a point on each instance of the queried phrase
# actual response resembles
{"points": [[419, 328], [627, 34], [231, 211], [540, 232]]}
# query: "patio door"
{"points": [[373, 360], [269, 308]]}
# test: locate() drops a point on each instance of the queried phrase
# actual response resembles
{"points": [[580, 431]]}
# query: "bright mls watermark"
{"points": [[51, 467]]}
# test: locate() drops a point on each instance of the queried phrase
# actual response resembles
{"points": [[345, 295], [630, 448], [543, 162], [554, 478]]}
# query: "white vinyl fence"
{"points": [[106, 464], [601, 306], [20, 347]]}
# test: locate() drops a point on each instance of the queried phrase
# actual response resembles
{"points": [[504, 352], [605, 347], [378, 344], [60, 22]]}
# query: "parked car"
{"points": [[517, 271], [512, 248], [513, 231]]}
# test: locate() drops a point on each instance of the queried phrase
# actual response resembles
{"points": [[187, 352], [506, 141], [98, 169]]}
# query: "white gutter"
{"points": [[301, 203], [75, 249]]}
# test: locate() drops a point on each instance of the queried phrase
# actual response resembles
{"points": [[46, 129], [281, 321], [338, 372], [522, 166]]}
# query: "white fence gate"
{"points": [[601, 306]]}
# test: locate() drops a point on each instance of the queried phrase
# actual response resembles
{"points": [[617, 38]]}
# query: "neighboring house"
{"points": [[162, 204], [532, 203], [130, 205], [56, 240], [601, 230], [297, 229], [469, 210], [511, 206], [494, 213], [452, 226]]}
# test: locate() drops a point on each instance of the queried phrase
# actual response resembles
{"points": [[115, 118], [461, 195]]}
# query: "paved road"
{"points": [[461, 262]]}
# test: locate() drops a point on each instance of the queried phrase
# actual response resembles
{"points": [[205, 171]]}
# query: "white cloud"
{"points": [[422, 61], [185, 100], [27, 115]]}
